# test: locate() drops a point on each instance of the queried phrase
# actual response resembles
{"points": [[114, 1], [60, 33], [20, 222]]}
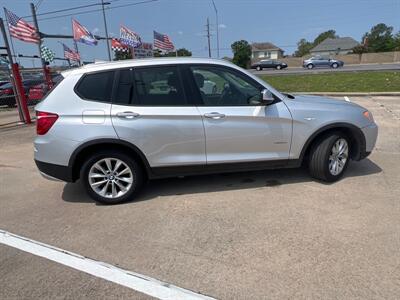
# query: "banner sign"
{"points": [[129, 38], [144, 51]]}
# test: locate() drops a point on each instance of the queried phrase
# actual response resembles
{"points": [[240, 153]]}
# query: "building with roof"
{"points": [[336, 46], [265, 50]]}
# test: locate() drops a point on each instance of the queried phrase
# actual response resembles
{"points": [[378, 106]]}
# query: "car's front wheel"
{"points": [[111, 177], [259, 68], [335, 65], [278, 67], [329, 157], [310, 66]]}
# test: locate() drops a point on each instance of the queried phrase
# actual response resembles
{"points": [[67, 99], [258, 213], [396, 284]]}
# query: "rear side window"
{"points": [[158, 86], [96, 86]]}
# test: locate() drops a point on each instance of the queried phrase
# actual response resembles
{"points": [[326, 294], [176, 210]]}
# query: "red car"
{"points": [[37, 92]]}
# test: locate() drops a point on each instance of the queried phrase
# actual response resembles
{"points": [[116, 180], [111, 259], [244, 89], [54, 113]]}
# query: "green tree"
{"points": [[324, 35], [241, 53], [303, 48], [396, 42], [380, 38], [119, 55], [360, 49]]}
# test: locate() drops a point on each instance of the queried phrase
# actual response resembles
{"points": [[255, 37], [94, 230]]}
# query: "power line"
{"points": [[84, 12], [62, 10]]}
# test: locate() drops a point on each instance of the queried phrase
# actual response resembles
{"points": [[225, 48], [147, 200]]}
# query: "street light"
{"points": [[216, 16]]}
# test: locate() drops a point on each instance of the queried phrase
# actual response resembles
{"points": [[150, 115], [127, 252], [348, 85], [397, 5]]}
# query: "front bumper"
{"points": [[54, 172], [371, 134]]}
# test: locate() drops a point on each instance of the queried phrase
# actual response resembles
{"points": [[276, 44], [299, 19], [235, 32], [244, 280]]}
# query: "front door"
{"points": [[150, 111], [238, 127]]}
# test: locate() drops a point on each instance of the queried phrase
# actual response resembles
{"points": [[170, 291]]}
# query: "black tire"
{"points": [[278, 67], [137, 173], [335, 65], [259, 68], [319, 157], [310, 66]]}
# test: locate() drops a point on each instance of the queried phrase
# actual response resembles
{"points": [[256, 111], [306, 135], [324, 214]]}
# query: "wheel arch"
{"points": [[86, 149], [356, 136]]}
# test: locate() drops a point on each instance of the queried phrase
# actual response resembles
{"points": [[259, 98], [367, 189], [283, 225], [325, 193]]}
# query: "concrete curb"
{"points": [[348, 93]]}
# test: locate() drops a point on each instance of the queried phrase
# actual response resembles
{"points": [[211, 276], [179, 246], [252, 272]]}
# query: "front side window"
{"points": [[220, 86], [96, 86], [158, 86]]}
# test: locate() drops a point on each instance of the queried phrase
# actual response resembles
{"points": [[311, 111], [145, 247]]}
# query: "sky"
{"points": [[281, 22]]}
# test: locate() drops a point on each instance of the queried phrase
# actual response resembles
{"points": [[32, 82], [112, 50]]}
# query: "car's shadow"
{"points": [[74, 192]]}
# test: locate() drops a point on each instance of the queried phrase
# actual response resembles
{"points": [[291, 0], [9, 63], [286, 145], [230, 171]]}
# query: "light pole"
{"points": [[216, 16], [105, 28]]}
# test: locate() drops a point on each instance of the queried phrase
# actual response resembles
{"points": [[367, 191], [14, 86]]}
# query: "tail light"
{"points": [[44, 121], [8, 91]]}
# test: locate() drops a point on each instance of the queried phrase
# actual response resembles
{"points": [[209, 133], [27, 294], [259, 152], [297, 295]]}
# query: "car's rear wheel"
{"points": [[259, 68], [111, 177], [335, 65], [310, 66], [329, 157], [278, 67]]}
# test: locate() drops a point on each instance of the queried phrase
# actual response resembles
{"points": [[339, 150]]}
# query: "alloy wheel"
{"points": [[338, 157], [110, 177]]}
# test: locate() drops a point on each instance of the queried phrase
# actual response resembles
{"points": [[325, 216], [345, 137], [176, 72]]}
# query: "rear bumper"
{"points": [[54, 172]]}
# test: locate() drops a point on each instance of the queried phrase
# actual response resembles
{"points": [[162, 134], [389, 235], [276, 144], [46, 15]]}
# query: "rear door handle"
{"points": [[214, 115], [127, 115]]}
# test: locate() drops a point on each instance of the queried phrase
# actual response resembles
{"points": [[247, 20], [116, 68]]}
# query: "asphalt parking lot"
{"points": [[255, 235]]}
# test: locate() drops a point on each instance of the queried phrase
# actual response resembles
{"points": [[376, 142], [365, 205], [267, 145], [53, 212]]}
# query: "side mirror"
{"points": [[267, 96]]}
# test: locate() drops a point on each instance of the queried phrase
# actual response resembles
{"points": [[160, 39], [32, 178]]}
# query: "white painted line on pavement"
{"points": [[135, 281]]}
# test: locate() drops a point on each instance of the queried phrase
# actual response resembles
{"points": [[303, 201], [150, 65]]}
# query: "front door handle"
{"points": [[214, 115], [127, 115]]}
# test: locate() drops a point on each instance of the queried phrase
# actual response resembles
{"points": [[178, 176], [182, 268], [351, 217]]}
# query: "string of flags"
{"points": [[47, 54], [128, 40], [82, 35], [117, 46]]}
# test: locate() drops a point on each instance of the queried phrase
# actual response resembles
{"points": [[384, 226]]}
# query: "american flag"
{"points": [[20, 29], [162, 42], [70, 54]]}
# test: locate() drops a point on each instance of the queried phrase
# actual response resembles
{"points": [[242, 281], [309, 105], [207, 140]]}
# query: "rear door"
{"points": [[238, 127], [150, 110]]}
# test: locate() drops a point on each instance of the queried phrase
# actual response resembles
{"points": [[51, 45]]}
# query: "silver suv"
{"points": [[115, 125]]}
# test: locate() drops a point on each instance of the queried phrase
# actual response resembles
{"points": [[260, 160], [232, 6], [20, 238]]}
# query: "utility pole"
{"points": [[11, 62], [105, 28], [216, 16], [208, 37], [40, 39], [11, 40], [35, 22]]}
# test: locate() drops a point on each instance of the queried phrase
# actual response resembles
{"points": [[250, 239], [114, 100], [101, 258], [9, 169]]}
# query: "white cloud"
{"points": [[180, 32], [222, 26], [95, 30]]}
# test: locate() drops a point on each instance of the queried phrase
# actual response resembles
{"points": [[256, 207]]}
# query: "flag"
{"points": [[162, 42], [82, 35], [129, 38], [47, 54], [20, 29], [117, 46], [70, 54]]}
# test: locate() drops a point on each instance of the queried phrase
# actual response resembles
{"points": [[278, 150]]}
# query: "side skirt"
{"points": [[174, 171]]}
